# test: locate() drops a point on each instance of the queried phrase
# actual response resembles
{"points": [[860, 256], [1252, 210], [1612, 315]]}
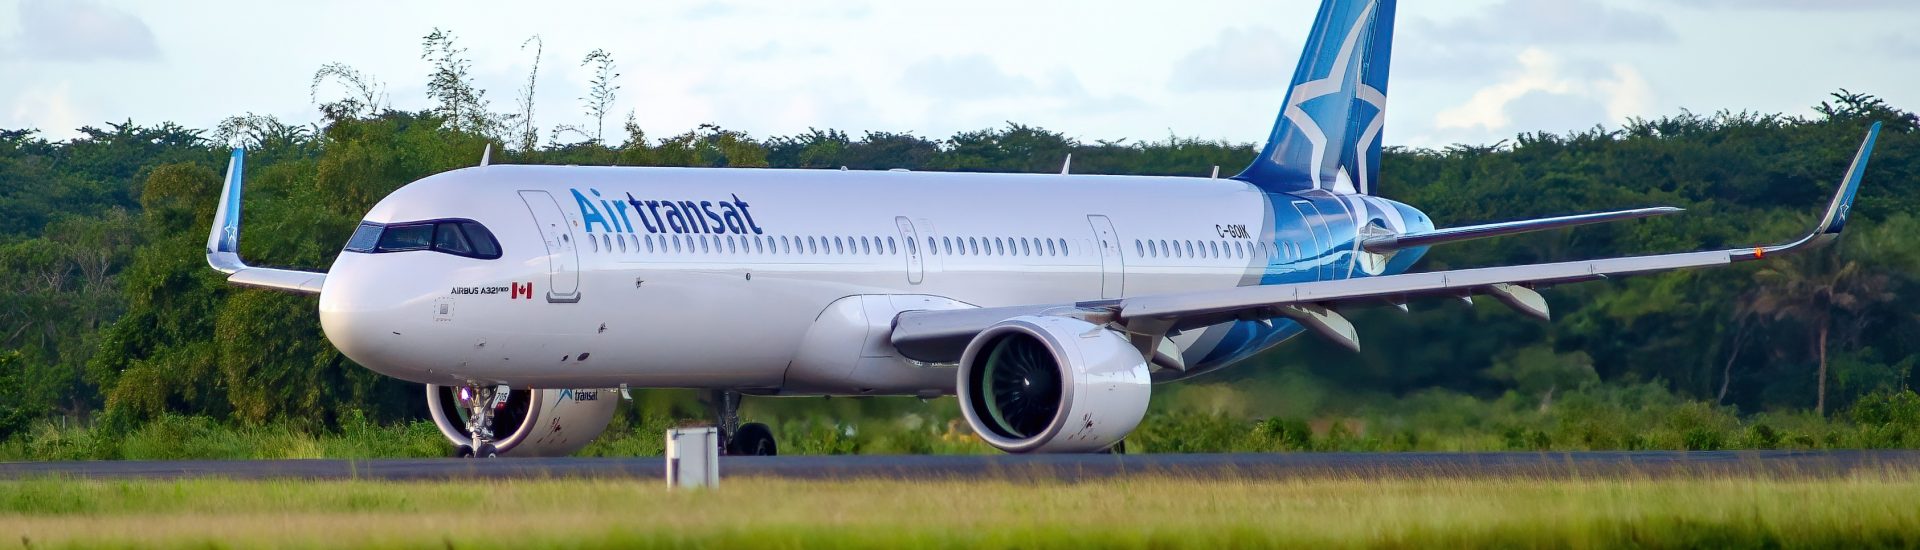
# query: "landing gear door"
{"points": [[916, 265], [563, 258], [1112, 267]]}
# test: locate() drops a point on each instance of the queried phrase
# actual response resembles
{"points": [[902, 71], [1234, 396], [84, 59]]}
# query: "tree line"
{"points": [[109, 315]]}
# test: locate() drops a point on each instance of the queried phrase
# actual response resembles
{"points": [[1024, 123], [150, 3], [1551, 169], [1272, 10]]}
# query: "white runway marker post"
{"points": [[693, 458]]}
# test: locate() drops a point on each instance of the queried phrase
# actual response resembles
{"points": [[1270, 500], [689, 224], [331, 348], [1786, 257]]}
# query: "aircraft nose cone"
{"points": [[367, 325]]}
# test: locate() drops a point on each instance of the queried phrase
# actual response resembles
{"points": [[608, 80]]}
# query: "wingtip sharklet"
{"points": [[1835, 219], [223, 240]]}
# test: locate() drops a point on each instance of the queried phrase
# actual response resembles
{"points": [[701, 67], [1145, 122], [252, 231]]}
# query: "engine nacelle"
{"points": [[533, 422], [1052, 385]]}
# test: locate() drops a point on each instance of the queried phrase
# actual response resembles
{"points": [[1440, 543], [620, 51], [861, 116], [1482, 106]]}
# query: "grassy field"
{"points": [[1865, 510]]}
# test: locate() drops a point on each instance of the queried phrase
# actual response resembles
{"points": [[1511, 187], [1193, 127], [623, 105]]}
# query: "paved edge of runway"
{"points": [[1023, 467]]}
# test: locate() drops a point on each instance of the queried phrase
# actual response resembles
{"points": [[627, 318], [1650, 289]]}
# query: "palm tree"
{"points": [[1811, 290]]}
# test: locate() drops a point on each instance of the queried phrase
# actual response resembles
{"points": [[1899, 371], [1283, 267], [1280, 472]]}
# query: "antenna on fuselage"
{"points": [[1216, 171], [486, 157], [1067, 167]]}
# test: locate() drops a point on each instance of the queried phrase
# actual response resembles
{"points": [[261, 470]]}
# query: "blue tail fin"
{"points": [[1328, 134]]}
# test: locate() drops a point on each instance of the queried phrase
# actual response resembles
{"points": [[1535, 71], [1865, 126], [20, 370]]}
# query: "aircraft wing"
{"points": [[223, 243], [939, 336]]}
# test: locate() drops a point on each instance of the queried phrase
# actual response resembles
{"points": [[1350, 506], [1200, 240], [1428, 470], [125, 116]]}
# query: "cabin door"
{"points": [[563, 257]]}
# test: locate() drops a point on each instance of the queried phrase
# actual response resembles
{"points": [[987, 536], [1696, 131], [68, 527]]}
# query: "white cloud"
{"points": [[1539, 72], [1253, 58], [1903, 47], [1547, 22], [81, 30], [966, 77], [47, 108], [1627, 94], [1541, 78], [1802, 5]]}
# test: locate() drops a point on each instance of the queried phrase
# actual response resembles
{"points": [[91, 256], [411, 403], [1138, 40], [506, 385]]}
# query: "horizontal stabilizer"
{"points": [[1388, 243]]}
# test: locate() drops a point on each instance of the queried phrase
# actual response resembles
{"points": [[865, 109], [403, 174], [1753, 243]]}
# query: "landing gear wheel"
{"points": [[752, 439], [462, 451], [1117, 449], [481, 404]]}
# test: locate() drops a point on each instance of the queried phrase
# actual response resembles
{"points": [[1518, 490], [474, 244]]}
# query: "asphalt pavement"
{"points": [[1021, 467]]}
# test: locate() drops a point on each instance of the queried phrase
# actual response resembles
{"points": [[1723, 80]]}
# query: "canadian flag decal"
{"points": [[523, 290]]}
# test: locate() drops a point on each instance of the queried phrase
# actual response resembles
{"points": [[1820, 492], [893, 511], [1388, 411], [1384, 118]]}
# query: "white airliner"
{"points": [[522, 296]]}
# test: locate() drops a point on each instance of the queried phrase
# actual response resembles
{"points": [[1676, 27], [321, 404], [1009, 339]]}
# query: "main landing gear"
{"points": [[481, 403], [750, 439]]}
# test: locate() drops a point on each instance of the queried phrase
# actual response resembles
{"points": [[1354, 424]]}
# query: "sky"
{"points": [[1464, 71]]}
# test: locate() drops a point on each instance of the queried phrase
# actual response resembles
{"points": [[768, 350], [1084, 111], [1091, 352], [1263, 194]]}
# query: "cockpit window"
{"points": [[364, 237], [448, 238], [457, 237], [401, 238], [482, 240]]}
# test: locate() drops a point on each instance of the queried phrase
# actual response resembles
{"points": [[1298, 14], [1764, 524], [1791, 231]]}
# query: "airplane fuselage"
{"points": [[786, 281]]}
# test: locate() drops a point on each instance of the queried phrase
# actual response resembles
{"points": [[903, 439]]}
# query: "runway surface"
{"points": [[1062, 467]]}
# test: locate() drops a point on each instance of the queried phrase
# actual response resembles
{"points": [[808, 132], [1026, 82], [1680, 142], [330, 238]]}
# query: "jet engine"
{"points": [[533, 422], [1052, 385]]}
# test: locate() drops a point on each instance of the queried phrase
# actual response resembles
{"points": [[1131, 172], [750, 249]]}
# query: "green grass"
{"points": [[1874, 509], [1642, 417]]}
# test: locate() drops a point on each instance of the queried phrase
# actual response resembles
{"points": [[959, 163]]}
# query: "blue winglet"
{"points": [[1836, 218], [223, 241]]}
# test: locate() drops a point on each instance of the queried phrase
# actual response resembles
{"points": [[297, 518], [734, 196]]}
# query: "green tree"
{"points": [[1811, 290]]}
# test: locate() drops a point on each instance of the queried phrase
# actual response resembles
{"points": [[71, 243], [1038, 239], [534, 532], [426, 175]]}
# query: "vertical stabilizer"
{"points": [[1328, 133]]}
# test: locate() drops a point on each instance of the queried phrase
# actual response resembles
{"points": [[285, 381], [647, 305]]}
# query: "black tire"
{"points": [[487, 450], [462, 451], [1117, 449], [752, 439]]}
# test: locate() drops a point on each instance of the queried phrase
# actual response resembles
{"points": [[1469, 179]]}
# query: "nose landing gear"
{"points": [[736, 439], [481, 403]]}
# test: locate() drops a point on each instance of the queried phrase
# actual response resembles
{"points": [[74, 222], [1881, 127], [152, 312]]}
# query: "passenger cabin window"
{"points": [[465, 238]]}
